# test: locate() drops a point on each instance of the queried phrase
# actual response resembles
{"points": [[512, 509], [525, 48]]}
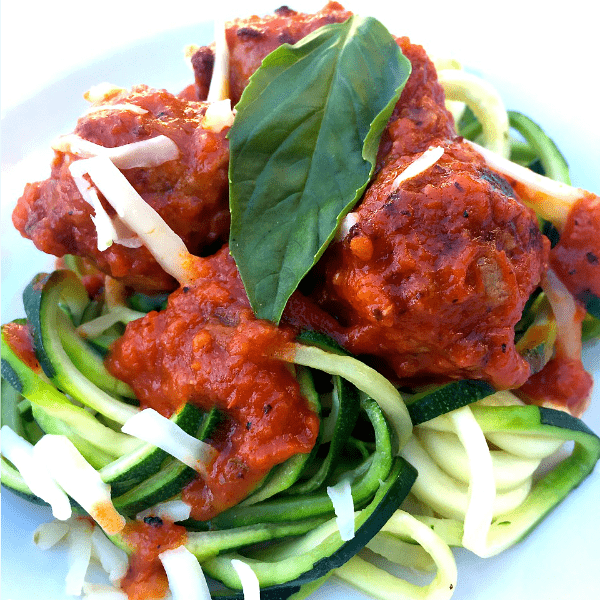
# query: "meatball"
{"points": [[251, 39], [433, 272], [190, 193]]}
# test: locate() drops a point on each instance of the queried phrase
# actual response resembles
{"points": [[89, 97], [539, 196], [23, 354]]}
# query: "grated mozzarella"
{"points": [[420, 165], [113, 560], [343, 505], [218, 115], [21, 453], [48, 535], [185, 575], [219, 83], [152, 427], [125, 106], [165, 245], [79, 479], [145, 153], [105, 229], [79, 555], [173, 510], [349, 221], [248, 578]]}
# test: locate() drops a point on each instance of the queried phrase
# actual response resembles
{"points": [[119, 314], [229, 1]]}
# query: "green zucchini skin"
{"points": [[170, 477], [331, 553], [447, 398], [285, 508]]}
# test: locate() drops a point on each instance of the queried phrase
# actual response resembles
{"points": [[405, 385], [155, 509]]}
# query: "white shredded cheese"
{"points": [[343, 505], [164, 244], [551, 199], [185, 575], [219, 84], [124, 106], [418, 166], [152, 427], [145, 153], [113, 560], [99, 591], [248, 578], [79, 555], [21, 454], [173, 510], [79, 479], [218, 115], [48, 535], [347, 223], [105, 230]]}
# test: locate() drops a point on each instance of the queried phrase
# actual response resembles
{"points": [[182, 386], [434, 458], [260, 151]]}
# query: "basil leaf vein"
{"points": [[303, 149]]}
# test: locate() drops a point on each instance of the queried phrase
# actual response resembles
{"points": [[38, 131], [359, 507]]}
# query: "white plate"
{"points": [[537, 71]]}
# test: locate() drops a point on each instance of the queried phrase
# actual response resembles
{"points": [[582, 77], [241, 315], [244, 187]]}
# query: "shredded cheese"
{"points": [[248, 578], [185, 575], [80, 553], [145, 153], [343, 505], [21, 453], [349, 221], [420, 165], [152, 427], [164, 244], [173, 510], [124, 106], [79, 479], [218, 116], [219, 84]]}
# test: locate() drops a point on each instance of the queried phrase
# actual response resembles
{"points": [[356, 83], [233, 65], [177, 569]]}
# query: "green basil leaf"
{"points": [[303, 148]]}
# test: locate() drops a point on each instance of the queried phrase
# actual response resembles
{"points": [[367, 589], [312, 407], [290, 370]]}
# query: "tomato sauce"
{"points": [[563, 384], [18, 337], [576, 257], [146, 577], [207, 348]]}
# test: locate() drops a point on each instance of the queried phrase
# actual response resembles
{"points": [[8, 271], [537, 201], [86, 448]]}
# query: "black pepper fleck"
{"points": [[153, 521]]}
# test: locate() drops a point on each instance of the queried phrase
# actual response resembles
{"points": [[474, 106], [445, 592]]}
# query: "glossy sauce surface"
{"points": [[207, 348]]}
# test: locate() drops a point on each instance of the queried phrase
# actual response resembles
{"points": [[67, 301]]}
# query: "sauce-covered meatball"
{"points": [[190, 193], [434, 271], [250, 39]]}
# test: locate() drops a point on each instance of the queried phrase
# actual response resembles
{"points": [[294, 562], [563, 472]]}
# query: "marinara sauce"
{"points": [[207, 348]]}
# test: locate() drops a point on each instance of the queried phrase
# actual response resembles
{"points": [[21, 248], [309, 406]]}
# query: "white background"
{"points": [[543, 57]]}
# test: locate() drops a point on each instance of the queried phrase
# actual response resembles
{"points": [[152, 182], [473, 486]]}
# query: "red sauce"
{"points": [[207, 348], [576, 257], [146, 577], [563, 383], [18, 337]]}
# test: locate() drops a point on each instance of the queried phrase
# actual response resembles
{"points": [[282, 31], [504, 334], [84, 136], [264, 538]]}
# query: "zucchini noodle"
{"points": [[483, 99], [382, 585]]}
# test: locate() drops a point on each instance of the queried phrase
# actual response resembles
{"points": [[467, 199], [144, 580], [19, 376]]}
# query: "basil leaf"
{"points": [[303, 148]]}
